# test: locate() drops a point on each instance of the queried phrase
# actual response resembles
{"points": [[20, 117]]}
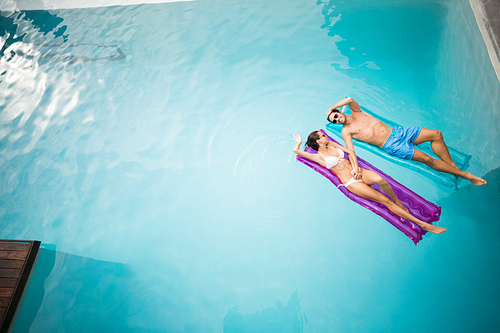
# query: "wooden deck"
{"points": [[17, 259]]}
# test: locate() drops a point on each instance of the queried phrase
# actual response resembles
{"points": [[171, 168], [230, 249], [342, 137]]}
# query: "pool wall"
{"points": [[487, 15], [165, 190]]}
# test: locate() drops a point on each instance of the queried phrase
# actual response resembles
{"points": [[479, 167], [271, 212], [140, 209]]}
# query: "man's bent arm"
{"points": [[354, 161], [347, 139], [349, 100]]}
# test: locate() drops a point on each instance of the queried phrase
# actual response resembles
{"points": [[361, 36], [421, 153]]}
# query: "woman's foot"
{"points": [[433, 229]]}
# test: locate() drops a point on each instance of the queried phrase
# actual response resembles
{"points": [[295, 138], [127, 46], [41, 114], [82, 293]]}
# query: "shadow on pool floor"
{"points": [[281, 318]]}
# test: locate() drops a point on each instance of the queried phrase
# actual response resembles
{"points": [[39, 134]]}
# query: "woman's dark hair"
{"points": [[311, 140]]}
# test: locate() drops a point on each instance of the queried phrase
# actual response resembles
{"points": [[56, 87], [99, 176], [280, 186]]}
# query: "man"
{"points": [[397, 141]]}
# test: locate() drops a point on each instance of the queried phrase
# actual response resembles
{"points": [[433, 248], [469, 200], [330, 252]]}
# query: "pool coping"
{"points": [[487, 13]]}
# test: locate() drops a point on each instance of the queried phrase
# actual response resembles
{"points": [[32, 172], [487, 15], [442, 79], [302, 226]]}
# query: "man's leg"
{"points": [[437, 144], [445, 167]]}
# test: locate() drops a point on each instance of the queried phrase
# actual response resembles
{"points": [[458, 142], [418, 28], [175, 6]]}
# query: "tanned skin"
{"points": [[363, 127], [347, 168]]}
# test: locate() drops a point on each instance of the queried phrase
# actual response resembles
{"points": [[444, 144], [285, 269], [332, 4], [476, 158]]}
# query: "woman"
{"points": [[356, 179]]}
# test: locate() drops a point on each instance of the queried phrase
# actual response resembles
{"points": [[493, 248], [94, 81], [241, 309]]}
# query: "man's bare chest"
{"points": [[362, 127], [368, 129], [362, 131]]}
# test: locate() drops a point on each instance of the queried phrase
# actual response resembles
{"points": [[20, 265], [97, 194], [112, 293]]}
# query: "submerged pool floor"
{"points": [[149, 149]]}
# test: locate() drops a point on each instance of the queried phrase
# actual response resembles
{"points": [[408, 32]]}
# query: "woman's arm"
{"points": [[309, 156]]}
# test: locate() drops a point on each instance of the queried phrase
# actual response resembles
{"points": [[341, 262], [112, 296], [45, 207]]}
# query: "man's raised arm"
{"points": [[349, 100]]}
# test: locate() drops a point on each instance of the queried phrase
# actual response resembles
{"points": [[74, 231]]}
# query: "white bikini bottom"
{"points": [[352, 180]]}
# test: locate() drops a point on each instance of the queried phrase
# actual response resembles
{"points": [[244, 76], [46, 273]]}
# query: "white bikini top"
{"points": [[332, 161]]}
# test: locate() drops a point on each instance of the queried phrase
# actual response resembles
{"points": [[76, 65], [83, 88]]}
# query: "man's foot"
{"points": [[474, 180], [433, 229]]}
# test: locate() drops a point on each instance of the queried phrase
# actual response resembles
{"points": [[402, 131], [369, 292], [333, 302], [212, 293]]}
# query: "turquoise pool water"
{"points": [[163, 186]]}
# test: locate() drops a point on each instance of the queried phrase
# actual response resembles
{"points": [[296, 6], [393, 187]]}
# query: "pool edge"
{"points": [[484, 18]]}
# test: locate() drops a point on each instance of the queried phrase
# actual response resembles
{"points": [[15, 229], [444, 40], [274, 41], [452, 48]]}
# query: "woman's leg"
{"points": [[372, 178], [365, 191]]}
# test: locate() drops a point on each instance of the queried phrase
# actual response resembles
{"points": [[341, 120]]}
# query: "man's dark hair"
{"points": [[332, 111]]}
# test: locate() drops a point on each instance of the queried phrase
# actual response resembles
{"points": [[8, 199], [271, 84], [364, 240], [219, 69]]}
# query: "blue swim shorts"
{"points": [[400, 143]]}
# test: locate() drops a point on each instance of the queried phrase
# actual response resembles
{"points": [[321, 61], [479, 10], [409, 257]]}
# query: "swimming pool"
{"points": [[164, 189]]}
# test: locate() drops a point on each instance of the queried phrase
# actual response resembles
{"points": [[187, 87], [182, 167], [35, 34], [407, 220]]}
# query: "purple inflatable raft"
{"points": [[417, 206]]}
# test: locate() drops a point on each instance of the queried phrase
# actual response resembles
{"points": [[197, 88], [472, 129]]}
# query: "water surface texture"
{"points": [[149, 148]]}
